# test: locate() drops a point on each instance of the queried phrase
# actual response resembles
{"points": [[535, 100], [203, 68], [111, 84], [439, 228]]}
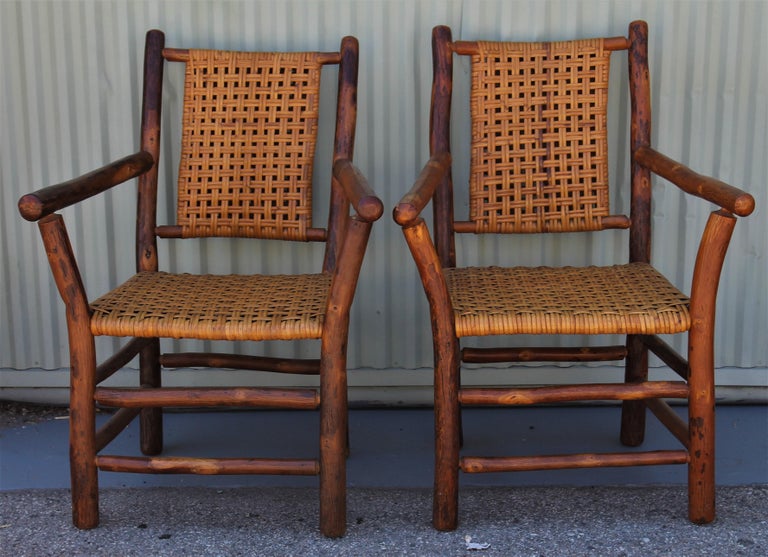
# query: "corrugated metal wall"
{"points": [[71, 83]]}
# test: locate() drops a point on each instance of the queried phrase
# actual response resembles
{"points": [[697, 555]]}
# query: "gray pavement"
{"points": [[633, 511], [282, 521]]}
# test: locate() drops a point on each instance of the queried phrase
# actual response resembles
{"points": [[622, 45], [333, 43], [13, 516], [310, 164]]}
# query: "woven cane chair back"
{"points": [[539, 160], [248, 142]]}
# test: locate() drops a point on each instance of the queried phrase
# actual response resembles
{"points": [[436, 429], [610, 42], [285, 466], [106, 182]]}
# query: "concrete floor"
{"points": [[572, 512], [392, 448]]}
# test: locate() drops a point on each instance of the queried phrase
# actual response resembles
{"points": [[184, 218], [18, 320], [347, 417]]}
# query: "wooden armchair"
{"points": [[538, 164], [249, 132]]}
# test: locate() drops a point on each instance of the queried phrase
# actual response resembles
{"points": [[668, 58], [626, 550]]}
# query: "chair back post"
{"points": [[440, 142], [151, 430], [343, 147], [146, 219], [640, 98], [633, 412]]}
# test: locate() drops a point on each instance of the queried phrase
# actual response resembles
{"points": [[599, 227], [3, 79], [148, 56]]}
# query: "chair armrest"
{"points": [[726, 196], [356, 188], [413, 202], [45, 201]]}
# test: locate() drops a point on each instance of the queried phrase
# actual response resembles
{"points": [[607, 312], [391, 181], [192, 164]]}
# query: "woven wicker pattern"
{"points": [[248, 141], [214, 307], [623, 299], [539, 159]]}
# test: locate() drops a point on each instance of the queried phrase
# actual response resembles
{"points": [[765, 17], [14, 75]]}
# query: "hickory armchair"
{"points": [[249, 133], [538, 164]]}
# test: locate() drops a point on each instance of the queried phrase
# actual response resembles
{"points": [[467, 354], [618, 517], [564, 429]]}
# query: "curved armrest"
{"points": [[356, 188], [407, 211], [726, 196], [45, 201]]}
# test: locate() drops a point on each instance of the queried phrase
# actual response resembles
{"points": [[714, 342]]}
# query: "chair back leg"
{"points": [[151, 419], [633, 411]]}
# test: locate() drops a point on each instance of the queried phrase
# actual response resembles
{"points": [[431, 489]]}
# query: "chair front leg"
{"points": [[445, 511], [447, 361], [701, 433], [334, 434], [82, 361], [82, 428], [701, 360], [334, 426]]}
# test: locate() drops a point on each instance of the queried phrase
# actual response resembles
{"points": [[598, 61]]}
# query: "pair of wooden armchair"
{"points": [[538, 165]]}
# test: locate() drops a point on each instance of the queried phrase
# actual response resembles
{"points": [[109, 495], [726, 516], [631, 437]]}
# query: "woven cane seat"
{"points": [[539, 156], [621, 299], [214, 307]]}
